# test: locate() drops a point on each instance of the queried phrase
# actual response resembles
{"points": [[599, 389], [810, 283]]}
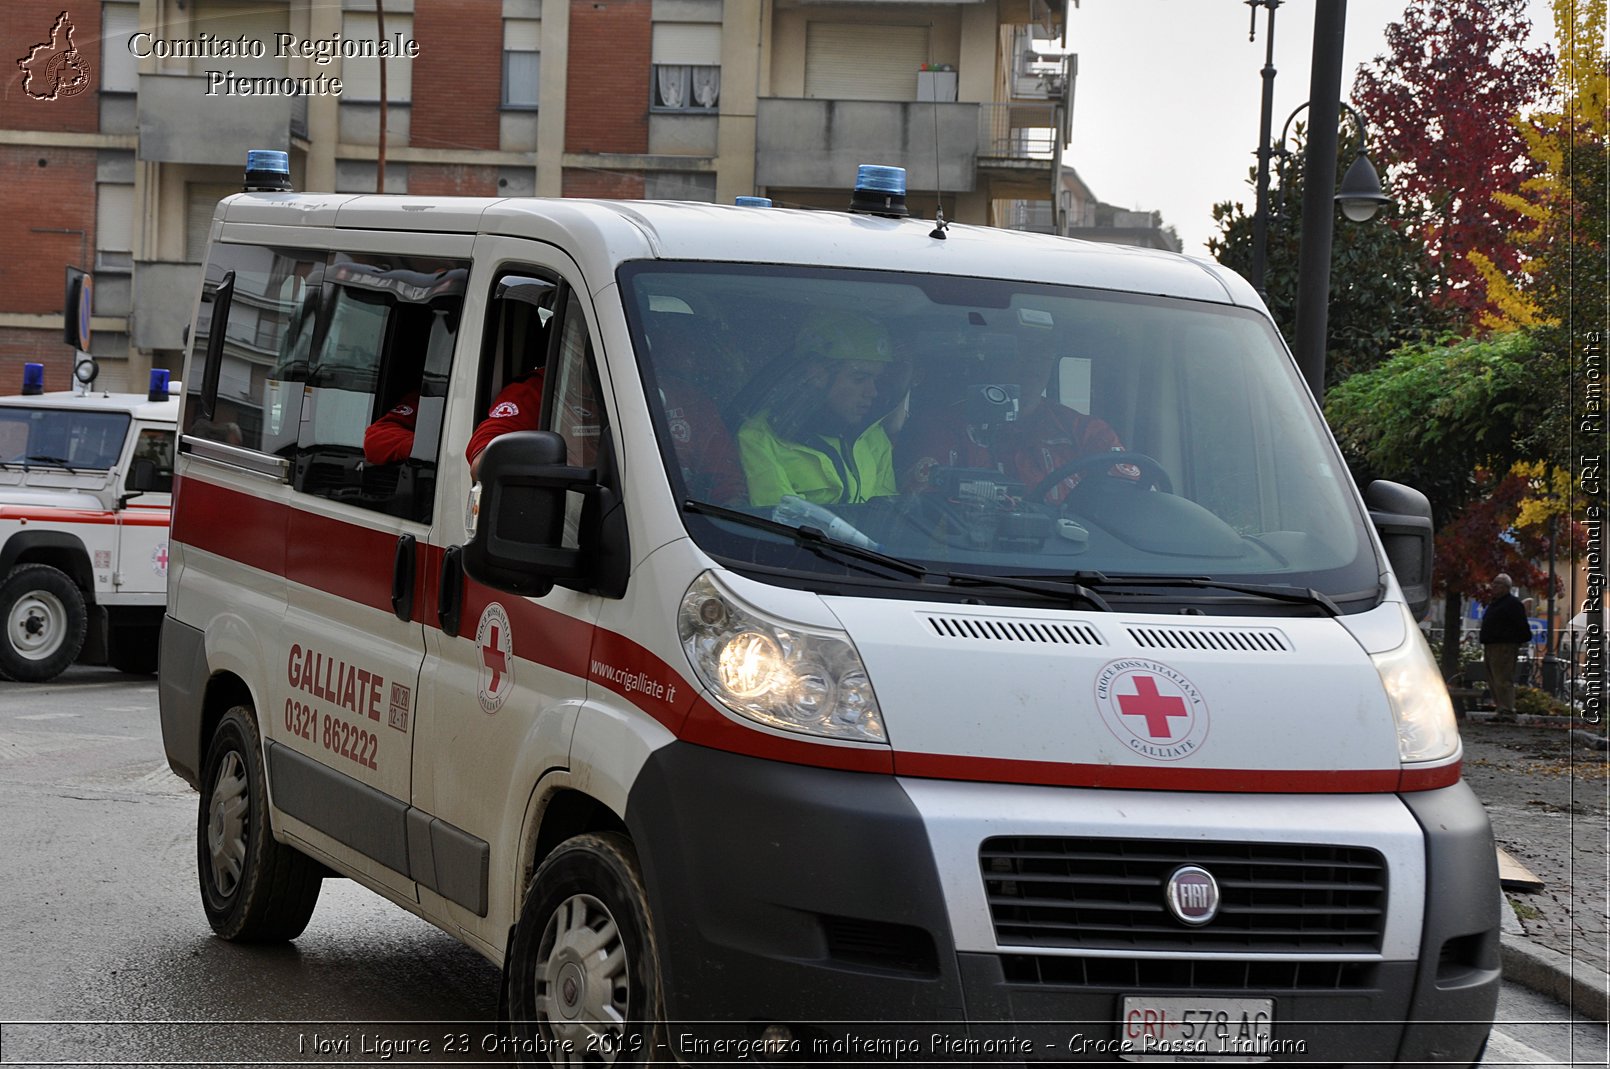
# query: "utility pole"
{"points": [[1319, 189], [380, 57]]}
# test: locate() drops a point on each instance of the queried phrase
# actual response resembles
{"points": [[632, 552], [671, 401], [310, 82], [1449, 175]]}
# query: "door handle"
{"points": [[402, 579], [450, 591]]}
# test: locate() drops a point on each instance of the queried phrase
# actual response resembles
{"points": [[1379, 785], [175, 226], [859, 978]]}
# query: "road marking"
{"points": [[47, 716]]}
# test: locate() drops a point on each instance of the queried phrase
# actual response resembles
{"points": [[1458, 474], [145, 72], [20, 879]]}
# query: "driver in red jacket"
{"points": [[1046, 435]]}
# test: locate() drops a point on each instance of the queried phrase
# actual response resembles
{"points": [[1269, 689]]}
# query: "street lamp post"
{"points": [[1266, 114], [1360, 196]]}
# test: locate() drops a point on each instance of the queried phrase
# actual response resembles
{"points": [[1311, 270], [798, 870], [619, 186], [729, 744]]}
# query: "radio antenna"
{"points": [[939, 200]]}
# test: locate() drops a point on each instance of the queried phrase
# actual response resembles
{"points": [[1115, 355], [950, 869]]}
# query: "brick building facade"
{"points": [[115, 144]]}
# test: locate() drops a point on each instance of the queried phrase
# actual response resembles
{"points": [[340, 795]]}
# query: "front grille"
{"points": [[1107, 894], [1188, 974]]}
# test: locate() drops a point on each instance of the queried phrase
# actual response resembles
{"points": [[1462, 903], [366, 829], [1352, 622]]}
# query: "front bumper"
{"points": [[812, 898]]}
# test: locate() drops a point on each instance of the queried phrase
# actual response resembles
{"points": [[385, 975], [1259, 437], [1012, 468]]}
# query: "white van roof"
{"points": [[136, 404], [607, 233]]}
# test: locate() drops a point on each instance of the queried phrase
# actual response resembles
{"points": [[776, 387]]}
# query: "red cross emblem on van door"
{"points": [[1155, 708], [494, 658], [494, 647]]}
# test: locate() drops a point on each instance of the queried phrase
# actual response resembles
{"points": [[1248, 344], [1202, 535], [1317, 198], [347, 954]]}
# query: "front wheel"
{"points": [[45, 622], [254, 889], [583, 970]]}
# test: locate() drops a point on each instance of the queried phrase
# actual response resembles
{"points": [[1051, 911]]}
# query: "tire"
{"points": [[254, 889], [583, 974], [45, 623]]}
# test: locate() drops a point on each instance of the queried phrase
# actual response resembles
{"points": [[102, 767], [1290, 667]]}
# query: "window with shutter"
{"points": [[860, 61]]}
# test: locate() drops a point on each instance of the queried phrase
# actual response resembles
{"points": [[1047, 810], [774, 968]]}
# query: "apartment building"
{"points": [[124, 122]]}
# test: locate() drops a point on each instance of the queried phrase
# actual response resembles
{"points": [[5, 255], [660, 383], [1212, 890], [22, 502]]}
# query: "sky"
{"points": [[1165, 113]]}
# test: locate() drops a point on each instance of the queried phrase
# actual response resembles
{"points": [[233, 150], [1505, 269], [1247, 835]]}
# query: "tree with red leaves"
{"points": [[1444, 102]]}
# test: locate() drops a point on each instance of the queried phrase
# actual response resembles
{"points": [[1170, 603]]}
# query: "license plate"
{"points": [[1196, 1029]]}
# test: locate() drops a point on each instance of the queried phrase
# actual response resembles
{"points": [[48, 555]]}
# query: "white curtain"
{"points": [[673, 82], [706, 86]]}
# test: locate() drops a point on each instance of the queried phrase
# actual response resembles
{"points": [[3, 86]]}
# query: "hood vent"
{"points": [[1223, 639], [1045, 634]]}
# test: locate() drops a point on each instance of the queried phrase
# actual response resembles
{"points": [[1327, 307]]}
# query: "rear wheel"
{"points": [[254, 889], [45, 622], [583, 975]]}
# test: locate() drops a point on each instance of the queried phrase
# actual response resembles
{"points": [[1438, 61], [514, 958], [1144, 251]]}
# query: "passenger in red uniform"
{"points": [[390, 439], [1046, 435], [518, 407]]}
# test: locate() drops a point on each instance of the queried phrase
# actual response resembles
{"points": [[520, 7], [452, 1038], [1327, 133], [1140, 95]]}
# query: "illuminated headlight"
{"points": [[1427, 730], [784, 675]]}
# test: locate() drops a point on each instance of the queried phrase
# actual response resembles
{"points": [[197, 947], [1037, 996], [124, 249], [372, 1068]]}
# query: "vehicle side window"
{"points": [[272, 319], [154, 447], [383, 350], [578, 409], [520, 308]]}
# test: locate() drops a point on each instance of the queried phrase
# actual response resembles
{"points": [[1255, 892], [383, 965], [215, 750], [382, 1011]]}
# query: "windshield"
{"points": [[997, 427], [61, 438]]}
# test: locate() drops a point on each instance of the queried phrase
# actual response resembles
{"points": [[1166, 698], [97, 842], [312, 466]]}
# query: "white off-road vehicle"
{"points": [[85, 481]]}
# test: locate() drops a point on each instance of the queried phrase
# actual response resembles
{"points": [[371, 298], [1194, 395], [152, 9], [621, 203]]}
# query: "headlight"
{"points": [[1427, 730], [784, 675]]}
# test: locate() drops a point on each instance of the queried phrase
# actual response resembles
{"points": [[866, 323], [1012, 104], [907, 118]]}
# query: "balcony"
{"points": [[805, 143], [1018, 135], [180, 123]]}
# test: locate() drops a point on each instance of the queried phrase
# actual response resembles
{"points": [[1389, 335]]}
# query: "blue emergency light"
{"points": [[158, 390], [33, 379], [879, 190], [753, 202], [267, 171]]}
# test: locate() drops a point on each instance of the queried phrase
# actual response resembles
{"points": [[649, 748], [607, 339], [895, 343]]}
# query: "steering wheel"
{"points": [[1151, 470]]}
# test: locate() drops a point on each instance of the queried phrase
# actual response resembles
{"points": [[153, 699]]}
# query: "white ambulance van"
{"points": [[85, 477], [892, 641]]}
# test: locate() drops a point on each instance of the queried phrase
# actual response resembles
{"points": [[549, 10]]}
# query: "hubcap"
{"points": [[37, 625], [583, 986], [226, 824]]}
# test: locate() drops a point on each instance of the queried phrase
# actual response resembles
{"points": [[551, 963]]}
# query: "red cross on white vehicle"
{"points": [[1153, 710], [495, 639]]}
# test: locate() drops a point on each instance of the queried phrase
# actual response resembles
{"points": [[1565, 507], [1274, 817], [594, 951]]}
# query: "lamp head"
{"points": [[1360, 194]]}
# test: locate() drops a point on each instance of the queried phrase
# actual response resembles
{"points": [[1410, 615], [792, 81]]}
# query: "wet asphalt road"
{"points": [[106, 957], [100, 919]]}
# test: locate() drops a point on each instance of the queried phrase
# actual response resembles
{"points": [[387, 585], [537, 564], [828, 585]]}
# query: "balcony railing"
{"points": [[1018, 131]]}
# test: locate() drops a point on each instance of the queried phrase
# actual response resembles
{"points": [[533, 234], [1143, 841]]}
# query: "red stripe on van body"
{"points": [[240, 527], [344, 559], [1158, 778], [152, 516], [355, 562]]}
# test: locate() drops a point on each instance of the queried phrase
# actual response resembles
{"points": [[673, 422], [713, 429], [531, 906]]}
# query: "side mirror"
{"points": [[1402, 517], [144, 475], [518, 543]]}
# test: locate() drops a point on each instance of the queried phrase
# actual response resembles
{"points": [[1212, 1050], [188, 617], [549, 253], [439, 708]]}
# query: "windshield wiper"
{"points": [[807, 537], [819, 542], [1299, 595], [1049, 587], [40, 458]]}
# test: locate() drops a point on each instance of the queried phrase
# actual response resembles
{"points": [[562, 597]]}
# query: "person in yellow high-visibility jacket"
{"points": [[818, 439]]}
